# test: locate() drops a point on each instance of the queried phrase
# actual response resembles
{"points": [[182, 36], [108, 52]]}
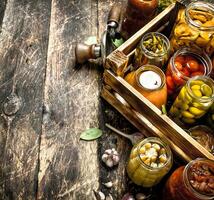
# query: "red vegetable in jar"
{"points": [[138, 13], [184, 64], [193, 182]]}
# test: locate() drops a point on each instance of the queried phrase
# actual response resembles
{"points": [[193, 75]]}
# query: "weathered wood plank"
{"points": [[68, 166], [23, 47], [110, 140]]}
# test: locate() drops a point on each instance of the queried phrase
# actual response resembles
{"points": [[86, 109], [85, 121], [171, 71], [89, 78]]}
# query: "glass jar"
{"points": [[137, 14], [185, 63], [203, 135], [193, 182], [194, 27], [153, 49], [210, 117], [194, 100], [212, 71], [149, 161], [149, 80]]}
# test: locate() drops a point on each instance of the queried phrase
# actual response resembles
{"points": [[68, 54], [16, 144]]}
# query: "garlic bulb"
{"points": [[110, 157]]}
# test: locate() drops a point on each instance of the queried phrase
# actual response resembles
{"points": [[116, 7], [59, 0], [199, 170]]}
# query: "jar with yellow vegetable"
{"points": [[194, 27], [194, 100], [149, 161]]}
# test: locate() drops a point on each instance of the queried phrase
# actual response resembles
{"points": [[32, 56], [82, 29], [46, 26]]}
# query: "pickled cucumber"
{"points": [[206, 90]]}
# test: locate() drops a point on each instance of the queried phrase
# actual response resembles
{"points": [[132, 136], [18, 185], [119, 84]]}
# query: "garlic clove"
{"points": [[140, 196], [109, 162], [108, 151], [128, 196], [108, 184], [104, 157], [115, 159], [99, 195]]}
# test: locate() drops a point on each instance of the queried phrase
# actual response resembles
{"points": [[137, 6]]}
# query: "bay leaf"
{"points": [[91, 134]]}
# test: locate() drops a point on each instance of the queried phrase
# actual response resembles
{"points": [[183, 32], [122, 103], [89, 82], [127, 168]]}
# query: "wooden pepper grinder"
{"points": [[137, 14]]}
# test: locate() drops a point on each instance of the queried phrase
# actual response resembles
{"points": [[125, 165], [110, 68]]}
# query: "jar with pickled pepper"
{"points": [[149, 161], [184, 64], [195, 181], [149, 80], [194, 100], [153, 49], [137, 14], [194, 27]]}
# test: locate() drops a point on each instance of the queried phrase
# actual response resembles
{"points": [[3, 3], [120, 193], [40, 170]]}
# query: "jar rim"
{"points": [[199, 5], [198, 53], [153, 68], [187, 182], [207, 79], [160, 142], [150, 53]]}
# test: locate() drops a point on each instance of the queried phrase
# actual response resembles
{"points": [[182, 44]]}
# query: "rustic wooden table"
{"points": [[45, 103]]}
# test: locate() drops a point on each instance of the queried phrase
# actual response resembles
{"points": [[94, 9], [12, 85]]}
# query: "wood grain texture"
{"points": [[111, 140], [23, 47], [68, 166]]}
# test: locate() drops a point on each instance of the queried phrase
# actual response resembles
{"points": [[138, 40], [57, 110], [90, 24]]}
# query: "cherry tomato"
{"points": [[197, 74], [185, 72], [179, 66], [177, 79], [180, 59], [170, 83], [193, 65]]}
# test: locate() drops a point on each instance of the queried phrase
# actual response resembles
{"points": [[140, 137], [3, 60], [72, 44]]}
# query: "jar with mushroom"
{"points": [[194, 27], [149, 161]]}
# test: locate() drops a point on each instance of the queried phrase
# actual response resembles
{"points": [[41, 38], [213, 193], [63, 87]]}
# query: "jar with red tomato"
{"points": [[137, 14], [184, 64], [195, 181]]}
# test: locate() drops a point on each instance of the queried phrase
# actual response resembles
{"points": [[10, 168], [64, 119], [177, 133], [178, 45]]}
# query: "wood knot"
{"points": [[12, 104]]}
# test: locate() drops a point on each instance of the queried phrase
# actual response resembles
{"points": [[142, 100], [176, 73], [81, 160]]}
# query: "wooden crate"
{"points": [[134, 106]]}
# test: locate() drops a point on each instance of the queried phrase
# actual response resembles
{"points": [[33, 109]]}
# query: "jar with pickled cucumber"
{"points": [[149, 161], [191, 182], [184, 64], [194, 27], [194, 100], [153, 49]]}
